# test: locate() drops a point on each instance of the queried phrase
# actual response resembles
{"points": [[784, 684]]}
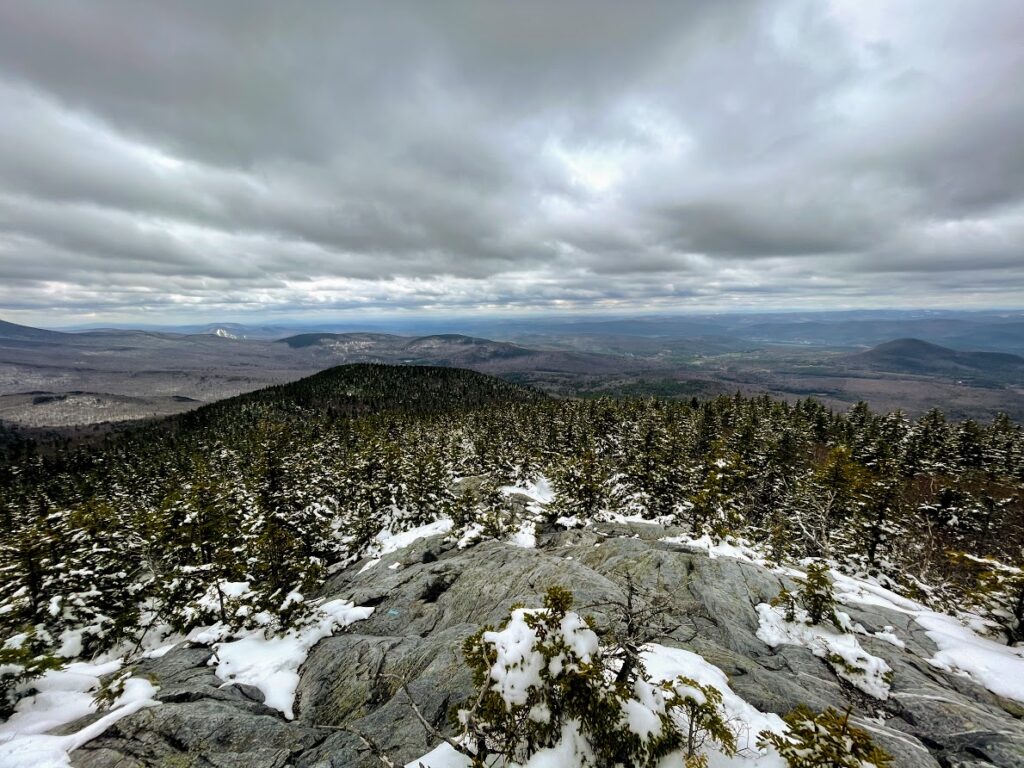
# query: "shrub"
{"points": [[542, 676], [814, 601], [788, 602], [816, 595], [824, 740]]}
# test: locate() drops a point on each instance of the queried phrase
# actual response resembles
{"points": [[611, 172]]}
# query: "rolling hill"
{"points": [[915, 356], [55, 379]]}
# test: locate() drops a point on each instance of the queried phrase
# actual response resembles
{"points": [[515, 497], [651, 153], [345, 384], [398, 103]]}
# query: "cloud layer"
{"points": [[170, 161]]}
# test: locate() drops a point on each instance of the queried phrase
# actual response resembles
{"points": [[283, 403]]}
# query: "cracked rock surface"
{"points": [[441, 594]]}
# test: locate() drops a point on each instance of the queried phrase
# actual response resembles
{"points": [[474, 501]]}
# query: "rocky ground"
{"points": [[440, 594]]}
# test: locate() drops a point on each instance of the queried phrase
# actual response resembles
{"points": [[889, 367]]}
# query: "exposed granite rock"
{"points": [[440, 595]]}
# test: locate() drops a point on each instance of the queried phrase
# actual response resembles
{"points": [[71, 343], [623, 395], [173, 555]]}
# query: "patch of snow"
{"points": [[642, 719], [526, 536], [387, 542], [71, 643], [665, 663], [998, 667], [962, 650], [889, 636], [608, 516], [443, 756], [473, 533], [962, 647], [271, 663], [539, 490], [63, 696], [207, 635], [864, 671], [728, 547], [848, 589], [161, 651], [572, 749]]}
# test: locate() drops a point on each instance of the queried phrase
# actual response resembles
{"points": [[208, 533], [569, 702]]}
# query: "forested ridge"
{"points": [[275, 489]]}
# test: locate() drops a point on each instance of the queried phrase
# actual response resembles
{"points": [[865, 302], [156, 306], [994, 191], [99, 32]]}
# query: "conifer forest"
{"points": [[284, 486]]}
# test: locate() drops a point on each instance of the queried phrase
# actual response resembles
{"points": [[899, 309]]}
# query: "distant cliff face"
{"points": [[430, 595]]}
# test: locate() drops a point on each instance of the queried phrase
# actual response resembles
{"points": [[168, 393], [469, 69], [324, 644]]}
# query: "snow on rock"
{"points": [[443, 756], [728, 547], [525, 536], [63, 696], [665, 663], [848, 589], [472, 533], [609, 516], [961, 650], [271, 663], [889, 636], [849, 660], [539, 490], [998, 667], [369, 564], [386, 542], [160, 651]]}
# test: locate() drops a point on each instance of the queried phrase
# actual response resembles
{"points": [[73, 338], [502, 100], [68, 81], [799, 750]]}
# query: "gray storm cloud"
{"points": [[237, 157]]}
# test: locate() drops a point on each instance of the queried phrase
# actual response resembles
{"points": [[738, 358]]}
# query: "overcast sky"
{"points": [[182, 161]]}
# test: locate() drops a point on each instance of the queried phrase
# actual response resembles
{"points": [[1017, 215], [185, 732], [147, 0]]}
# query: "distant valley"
{"points": [[970, 364]]}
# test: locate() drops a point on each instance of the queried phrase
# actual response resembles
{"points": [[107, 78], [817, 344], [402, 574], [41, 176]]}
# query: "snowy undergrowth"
{"points": [[63, 696], [516, 671], [271, 662], [666, 663], [258, 657]]}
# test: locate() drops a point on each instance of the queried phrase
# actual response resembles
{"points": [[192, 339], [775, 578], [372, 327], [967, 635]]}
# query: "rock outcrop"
{"points": [[440, 594]]}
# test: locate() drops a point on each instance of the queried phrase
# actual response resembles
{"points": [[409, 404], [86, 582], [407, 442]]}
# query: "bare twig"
{"points": [[429, 727], [370, 744]]}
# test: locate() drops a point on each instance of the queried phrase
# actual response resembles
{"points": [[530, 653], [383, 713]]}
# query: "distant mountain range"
{"points": [[993, 331], [51, 378], [456, 350], [55, 378]]}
